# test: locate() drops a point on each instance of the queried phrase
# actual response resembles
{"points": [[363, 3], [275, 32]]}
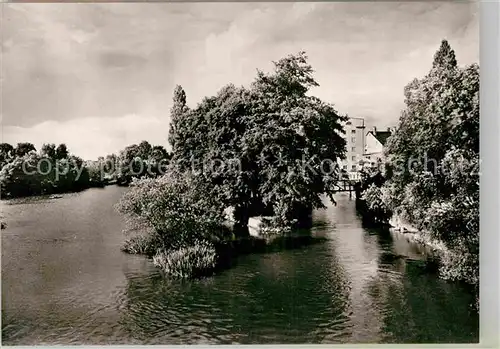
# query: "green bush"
{"points": [[371, 197], [189, 261], [175, 207]]}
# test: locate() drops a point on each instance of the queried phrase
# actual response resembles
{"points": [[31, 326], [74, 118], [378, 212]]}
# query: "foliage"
{"points": [[177, 206], [370, 197], [267, 146], [62, 151], [148, 244], [375, 205], [48, 150], [7, 152], [35, 174], [23, 149], [24, 172], [95, 171], [138, 160], [198, 259], [438, 135]]}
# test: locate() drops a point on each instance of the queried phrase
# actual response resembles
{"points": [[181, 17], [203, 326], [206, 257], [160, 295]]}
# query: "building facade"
{"points": [[355, 146], [375, 142]]}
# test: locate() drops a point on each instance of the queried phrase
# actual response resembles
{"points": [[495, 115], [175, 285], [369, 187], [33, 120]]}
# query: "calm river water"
{"points": [[65, 281]]}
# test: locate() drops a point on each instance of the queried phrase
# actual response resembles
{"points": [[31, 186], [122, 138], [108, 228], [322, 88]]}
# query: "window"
{"points": [[353, 167], [353, 139], [353, 132], [354, 158], [344, 167], [353, 149]]}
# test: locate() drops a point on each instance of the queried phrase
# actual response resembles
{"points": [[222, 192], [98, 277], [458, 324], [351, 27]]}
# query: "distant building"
{"points": [[355, 146], [374, 146]]}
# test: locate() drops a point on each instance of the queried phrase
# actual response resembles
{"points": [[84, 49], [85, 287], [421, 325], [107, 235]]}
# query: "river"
{"points": [[65, 281]]}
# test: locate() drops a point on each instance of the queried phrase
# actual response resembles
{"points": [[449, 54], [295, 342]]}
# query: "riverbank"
{"points": [[55, 193], [399, 225], [380, 217], [452, 260]]}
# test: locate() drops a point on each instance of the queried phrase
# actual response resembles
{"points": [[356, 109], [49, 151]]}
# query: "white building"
{"points": [[375, 142]]}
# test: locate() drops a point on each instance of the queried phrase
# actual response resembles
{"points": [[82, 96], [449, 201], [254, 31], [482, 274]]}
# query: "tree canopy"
{"points": [[24, 148], [139, 160], [269, 145], [433, 177]]}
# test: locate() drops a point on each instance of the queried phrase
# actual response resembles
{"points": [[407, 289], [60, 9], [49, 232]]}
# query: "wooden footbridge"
{"points": [[346, 184]]}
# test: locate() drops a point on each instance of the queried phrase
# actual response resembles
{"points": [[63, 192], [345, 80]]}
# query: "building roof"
{"points": [[381, 136]]}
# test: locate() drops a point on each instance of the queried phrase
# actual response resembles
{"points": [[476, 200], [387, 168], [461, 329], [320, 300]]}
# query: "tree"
{"points": [[127, 164], [438, 133], [24, 148], [144, 150], [94, 169], [62, 151], [137, 160], [159, 152], [299, 134], [49, 150], [275, 146], [20, 177], [444, 58], [178, 109], [6, 153], [159, 160], [111, 165]]}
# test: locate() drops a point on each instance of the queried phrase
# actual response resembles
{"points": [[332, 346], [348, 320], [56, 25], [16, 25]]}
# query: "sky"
{"points": [[99, 77]]}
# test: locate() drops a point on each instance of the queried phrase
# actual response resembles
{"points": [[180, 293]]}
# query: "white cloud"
{"points": [[61, 64], [92, 137]]}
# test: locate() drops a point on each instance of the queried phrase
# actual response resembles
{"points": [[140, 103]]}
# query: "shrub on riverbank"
{"points": [[370, 198], [198, 259], [176, 209]]}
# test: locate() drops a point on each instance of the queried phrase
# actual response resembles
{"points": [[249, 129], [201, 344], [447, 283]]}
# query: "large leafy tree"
{"points": [[144, 150], [433, 160], [24, 148], [139, 160], [298, 135], [267, 146], [49, 150], [62, 151], [6, 153]]}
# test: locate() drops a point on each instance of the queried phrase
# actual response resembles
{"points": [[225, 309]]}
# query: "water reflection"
{"points": [[271, 298], [65, 281]]}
